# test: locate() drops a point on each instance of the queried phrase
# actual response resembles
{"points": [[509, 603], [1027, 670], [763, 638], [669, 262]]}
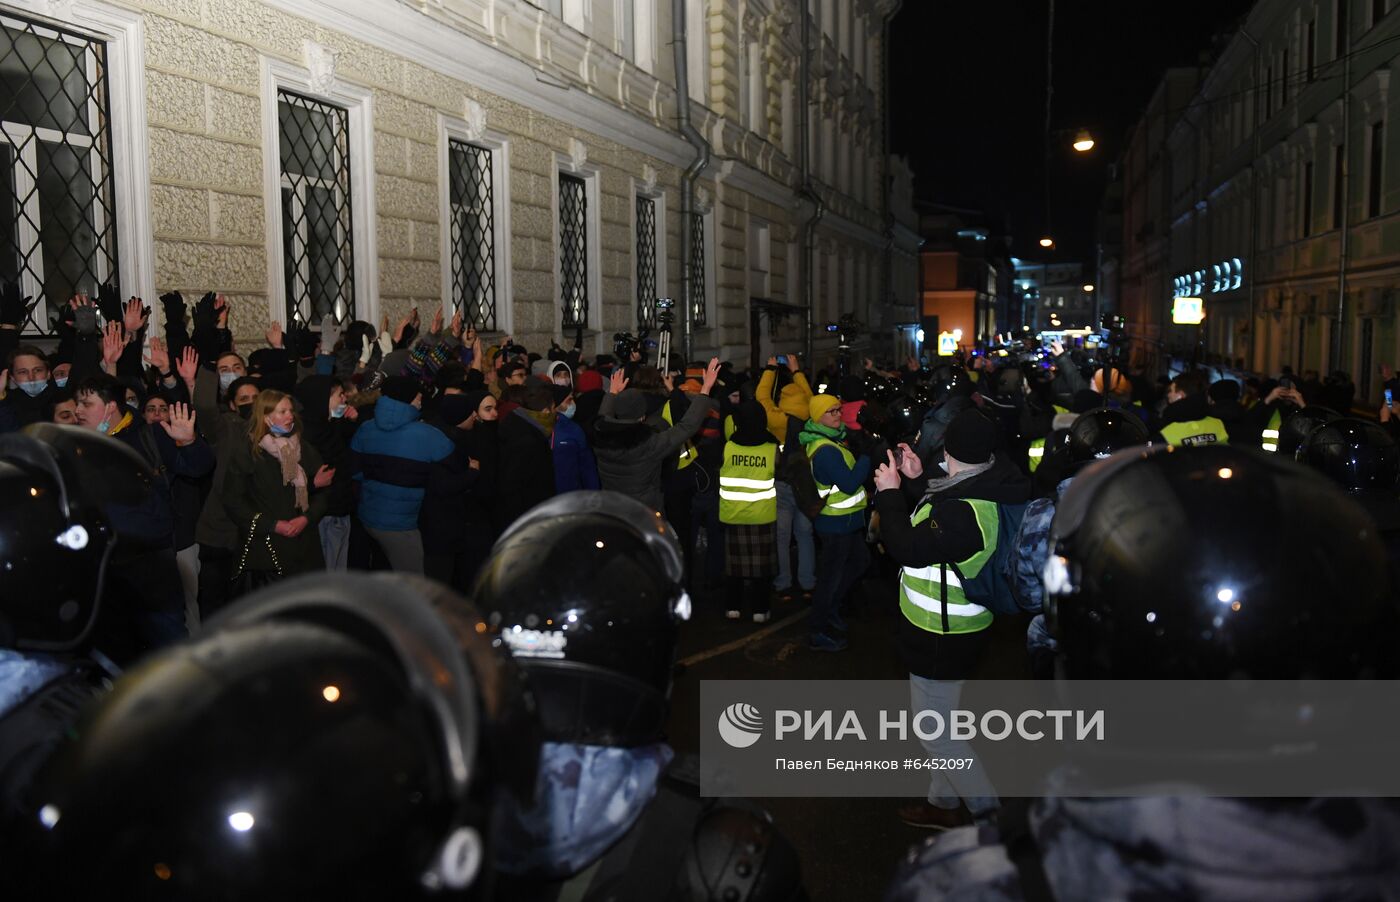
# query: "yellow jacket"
{"points": [[792, 401]]}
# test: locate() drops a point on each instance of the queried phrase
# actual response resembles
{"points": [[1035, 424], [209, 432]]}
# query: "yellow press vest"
{"points": [[932, 598], [838, 503], [689, 454], [1205, 431], [748, 488]]}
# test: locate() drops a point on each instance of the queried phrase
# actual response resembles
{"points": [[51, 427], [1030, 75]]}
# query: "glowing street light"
{"points": [[1083, 142], [1047, 242], [1088, 288]]}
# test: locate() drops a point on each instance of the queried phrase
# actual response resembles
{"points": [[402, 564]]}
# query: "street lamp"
{"points": [[1088, 289], [1083, 142], [1047, 242]]}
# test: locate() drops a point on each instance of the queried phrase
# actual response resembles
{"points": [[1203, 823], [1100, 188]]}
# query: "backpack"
{"points": [[795, 469], [991, 588]]}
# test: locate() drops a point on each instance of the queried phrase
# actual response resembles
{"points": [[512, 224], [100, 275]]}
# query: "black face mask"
{"points": [[245, 410]]}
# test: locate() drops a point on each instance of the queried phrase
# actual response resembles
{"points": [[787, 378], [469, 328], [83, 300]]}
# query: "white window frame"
{"points": [[123, 32], [358, 102], [451, 128], [656, 195], [592, 246], [576, 14], [760, 258], [643, 34], [697, 51]]}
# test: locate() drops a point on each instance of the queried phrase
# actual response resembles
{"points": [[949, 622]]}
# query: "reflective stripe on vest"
{"points": [[689, 454], [838, 503], [1269, 437], [748, 489], [1205, 431], [1035, 452], [922, 589]]}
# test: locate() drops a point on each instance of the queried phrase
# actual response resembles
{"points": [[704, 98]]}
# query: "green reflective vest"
{"points": [[1269, 437], [1205, 431], [838, 503], [748, 489], [689, 454], [1036, 452], [923, 590]]}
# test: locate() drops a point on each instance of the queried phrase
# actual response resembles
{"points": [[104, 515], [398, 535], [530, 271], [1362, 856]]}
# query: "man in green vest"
{"points": [[1187, 419], [840, 477], [941, 634], [748, 508]]}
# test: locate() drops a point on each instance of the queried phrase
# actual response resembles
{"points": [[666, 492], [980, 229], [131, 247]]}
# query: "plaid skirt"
{"points": [[751, 552]]}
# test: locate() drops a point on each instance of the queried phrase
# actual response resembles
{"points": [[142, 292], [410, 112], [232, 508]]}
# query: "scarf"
{"points": [[543, 419], [288, 453], [814, 430], [938, 486]]}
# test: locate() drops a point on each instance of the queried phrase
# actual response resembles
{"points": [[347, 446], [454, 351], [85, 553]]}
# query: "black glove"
{"points": [[174, 305], [109, 303], [206, 318], [303, 342], [13, 307], [85, 320], [407, 338]]}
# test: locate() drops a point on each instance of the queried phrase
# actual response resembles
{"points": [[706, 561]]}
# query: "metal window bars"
{"points": [[697, 269], [317, 225], [573, 250], [473, 234], [646, 263], [58, 233]]}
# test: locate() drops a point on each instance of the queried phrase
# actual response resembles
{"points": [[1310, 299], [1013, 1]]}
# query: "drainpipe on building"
{"points": [[1338, 327], [805, 191], [885, 160], [1253, 215], [690, 176]]}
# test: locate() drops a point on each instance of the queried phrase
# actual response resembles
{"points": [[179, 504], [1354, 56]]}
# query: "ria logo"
{"points": [[740, 725]]}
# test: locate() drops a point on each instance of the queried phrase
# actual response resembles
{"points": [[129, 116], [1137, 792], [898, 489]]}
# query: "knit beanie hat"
{"points": [[820, 404], [401, 388], [588, 380], [971, 437]]}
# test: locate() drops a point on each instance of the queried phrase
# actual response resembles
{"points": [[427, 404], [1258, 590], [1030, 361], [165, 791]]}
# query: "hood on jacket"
{"points": [[554, 366], [792, 400], [751, 425], [391, 414], [1002, 482]]}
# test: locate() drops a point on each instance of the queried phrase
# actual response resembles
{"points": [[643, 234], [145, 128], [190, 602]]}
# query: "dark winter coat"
{"points": [[159, 522], [631, 455], [256, 498], [331, 439], [574, 465], [526, 468], [392, 454], [445, 516]]}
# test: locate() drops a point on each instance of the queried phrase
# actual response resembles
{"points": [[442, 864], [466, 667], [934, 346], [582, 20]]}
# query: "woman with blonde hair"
{"points": [[272, 493]]}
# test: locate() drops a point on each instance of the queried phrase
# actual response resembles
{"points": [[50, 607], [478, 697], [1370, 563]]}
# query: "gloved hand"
{"points": [[173, 303], [13, 307], [205, 316], [303, 342], [367, 351], [386, 344], [109, 303]]}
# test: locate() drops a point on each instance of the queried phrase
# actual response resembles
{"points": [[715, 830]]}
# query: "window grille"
{"points": [[646, 263], [473, 234], [573, 250], [697, 268], [317, 225], [58, 233]]}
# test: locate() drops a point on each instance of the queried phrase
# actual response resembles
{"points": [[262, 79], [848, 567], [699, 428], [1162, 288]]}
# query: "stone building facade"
{"points": [[1268, 187], [518, 160]]}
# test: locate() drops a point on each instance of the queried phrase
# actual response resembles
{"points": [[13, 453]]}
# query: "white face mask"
{"points": [[943, 465]]}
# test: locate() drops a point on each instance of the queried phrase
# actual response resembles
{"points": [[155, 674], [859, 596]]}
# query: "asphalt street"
{"points": [[849, 847]]}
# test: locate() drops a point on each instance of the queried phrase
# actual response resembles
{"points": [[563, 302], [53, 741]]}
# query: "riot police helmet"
{"points": [[1298, 425], [57, 484], [586, 590], [736, 855], [1215, 562], [325, 737], [1100, 432], [1358, 455]]}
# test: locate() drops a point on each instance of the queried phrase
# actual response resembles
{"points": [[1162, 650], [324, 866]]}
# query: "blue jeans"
{"points": [[335, 541], [946, 787], [844, 559], [792, 521]]}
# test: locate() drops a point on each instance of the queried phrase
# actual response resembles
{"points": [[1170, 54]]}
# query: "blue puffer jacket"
{"points": [[574, 465], [391, 458]]}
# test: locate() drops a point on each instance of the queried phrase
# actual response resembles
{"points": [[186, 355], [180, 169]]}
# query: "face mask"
{"points": [[278, 430], [570, 412], [339, 411], [104, 427], [134, 406], [225, 380], [245, 410], [61, 382], [33, 389], [943, 465]]}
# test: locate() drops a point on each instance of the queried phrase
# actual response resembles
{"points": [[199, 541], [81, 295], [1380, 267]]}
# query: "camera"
{"points": [[832, 327], [665, 303]]}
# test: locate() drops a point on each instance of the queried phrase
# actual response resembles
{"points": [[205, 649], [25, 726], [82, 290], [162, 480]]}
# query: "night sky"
{"points": [[967, 85]]}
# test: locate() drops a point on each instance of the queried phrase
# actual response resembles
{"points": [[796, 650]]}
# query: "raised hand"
{"points": [[711, 376], [772, 360], [1056, 348], [13, 308], [887, 474], [617, 383], [436, 328], [134, 315], [793, 364], [181, 425], [323, 476], [274, 335], [456, 326], [669, 381], [109, 304], [159, 356], [84, 315], [221, 310], [112, 344], [188, 364], [404, 324], [173, 303], [909, 463]]}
